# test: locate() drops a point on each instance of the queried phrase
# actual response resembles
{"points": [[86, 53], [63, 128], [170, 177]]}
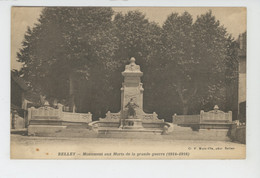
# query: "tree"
{"points": [[65, 44], [179, 64], [195, 61], [211, 51]]}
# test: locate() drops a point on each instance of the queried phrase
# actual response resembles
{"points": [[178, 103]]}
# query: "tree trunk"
{"points": [[71, 94], [185, 109], [185, 99]]}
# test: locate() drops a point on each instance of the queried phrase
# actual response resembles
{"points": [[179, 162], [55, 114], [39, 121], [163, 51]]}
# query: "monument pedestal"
{"points": [[133, 124]]}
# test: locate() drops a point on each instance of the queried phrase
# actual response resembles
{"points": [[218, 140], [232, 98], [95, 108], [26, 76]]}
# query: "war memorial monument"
{"points": [[132, 118]]}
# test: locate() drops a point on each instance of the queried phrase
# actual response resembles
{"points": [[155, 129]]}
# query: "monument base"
{"points": [[133, 124], [128, 133], [45, 130]]}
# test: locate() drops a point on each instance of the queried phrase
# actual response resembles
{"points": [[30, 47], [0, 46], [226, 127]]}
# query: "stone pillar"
{"points": [[29, 115], [132, 90], [132, 87]]}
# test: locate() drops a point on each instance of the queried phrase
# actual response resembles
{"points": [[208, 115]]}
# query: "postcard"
{"points": [[128, 83]]}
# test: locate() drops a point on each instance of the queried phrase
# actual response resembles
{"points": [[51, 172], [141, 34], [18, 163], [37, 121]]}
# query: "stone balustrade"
{"points": [[76, 117], [215, 116], [44, 113], [52, 114], [212, 119]]}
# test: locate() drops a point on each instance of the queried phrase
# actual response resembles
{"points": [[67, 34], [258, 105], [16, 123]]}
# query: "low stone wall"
{"points": [[185, 119], [108, 124], [45, 130], [51, 114], [18, 122], [76, 117], [158, 125], [215, 116], [48, 121], [215, 119], [116, 124]]}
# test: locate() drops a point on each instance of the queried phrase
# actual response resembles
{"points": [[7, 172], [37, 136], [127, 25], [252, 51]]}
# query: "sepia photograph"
{"points": [[128, 83]]}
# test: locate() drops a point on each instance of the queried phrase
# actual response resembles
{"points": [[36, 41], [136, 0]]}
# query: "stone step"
{"points": [[179, 128]]}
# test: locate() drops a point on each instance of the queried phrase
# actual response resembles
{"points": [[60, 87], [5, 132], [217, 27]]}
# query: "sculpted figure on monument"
{"points": [[132, 66], [131, 108]]}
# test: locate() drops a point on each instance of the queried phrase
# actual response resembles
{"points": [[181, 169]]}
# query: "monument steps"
{"points": [[125, 130], [202, 134], [75, 132]]}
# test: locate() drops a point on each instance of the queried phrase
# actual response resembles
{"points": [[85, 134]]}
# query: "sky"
{"points": [[233, 19]]}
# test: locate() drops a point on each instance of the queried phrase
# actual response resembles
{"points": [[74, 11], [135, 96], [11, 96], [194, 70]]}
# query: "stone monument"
{"points": [[131, 117], [132, 97]]}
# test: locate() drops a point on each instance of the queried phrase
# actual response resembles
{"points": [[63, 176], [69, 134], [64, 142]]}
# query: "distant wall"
{"points": [[238, 133], [242, 88], [185, 119]]}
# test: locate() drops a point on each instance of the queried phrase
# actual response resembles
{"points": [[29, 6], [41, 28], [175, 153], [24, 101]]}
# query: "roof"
{"points": [[20, 82]]}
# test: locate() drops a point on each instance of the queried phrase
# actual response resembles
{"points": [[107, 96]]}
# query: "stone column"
{"points": [[132, 87]]}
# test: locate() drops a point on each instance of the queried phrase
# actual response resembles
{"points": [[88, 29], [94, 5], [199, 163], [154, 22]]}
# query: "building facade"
{"points": [[242, 77]]}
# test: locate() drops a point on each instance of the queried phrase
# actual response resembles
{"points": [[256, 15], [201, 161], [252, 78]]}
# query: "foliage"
{"points": [[179, 63], [76, 55], [196, 62]]}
